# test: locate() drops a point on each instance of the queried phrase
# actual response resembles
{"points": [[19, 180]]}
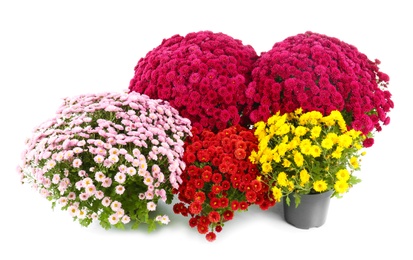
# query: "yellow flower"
{"points": [[315, 151], [304, 177], [290, 186], [298, 159], [337, 153], [298, 111], [260, 129], [305, 149], [294, 143], [320, 186], [333, 137], [315, 132], [276, 192], [282, 149], [344, 141], [286, 163], [327, 143], [282, 179], [300, 130], [354, 162], [284, 129], [253, 157], [341, 186], [266, 167], [343, 175]]}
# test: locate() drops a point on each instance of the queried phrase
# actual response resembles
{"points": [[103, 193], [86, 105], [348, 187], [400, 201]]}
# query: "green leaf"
{"points": [[151, 225], [135, 225]]}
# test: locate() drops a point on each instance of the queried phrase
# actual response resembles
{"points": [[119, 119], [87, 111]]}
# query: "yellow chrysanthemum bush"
{"points": [[304, 153]]}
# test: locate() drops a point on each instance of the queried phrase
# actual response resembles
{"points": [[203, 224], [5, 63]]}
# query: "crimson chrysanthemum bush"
{"points": [[204, 75], [219, 179], [320, 73]]}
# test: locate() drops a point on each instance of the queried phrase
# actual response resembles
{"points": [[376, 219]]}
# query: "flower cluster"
{"points": [[219, 179], [307, 153], [204, 75], [316, 72], [108, 157]]}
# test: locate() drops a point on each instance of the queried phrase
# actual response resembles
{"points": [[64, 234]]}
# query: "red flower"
{"points": [[240, 153], [202, 229], [218, 229], [199, 197], [243, 205], [225, 182], [251, 196], [234, 205], [216, 178], [195, 208], [211, 236], [214, 217], [228, 215], [193, 222]]}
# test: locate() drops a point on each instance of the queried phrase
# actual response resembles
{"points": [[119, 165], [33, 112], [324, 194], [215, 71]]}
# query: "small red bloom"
{"points": [[215, 203], [216, 189], [202, 229], [224, 202], [214, 217], [216, 178], [251, 196], [218, 229], [211, 236], [240, 154], [243, 205], [234, 205], [199, 197], [228, 215], [206, 176], [193, 222], [195, 208]]}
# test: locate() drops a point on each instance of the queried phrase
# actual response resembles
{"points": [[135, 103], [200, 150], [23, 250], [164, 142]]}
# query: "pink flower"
{"points": [[151, 206], [115, 205], [106, 201], [120, 177], [113, 219], [99, 159], [120, 189]]}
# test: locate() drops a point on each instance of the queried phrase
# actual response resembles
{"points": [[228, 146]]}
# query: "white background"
{"points": [[53, 49]]}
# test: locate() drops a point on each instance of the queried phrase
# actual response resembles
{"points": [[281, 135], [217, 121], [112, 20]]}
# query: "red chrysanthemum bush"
{"points": [[219, 179], [320, 73], [204, 75]]}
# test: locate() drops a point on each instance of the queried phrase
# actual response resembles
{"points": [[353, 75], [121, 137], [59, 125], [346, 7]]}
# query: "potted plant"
{"points": [[109, 157], [203, 75], [219, 179], [302, 154], [316, 72]]}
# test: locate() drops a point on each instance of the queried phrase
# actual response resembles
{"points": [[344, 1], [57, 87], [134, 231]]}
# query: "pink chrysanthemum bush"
{"points": [[317, 72], [109, 157], [204, 75]]}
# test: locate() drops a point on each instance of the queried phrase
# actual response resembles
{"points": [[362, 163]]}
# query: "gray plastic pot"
{"points": [[311, 212]]}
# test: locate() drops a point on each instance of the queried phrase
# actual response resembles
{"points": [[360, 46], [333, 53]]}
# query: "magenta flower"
{"points": [[204, 75], [317, 72]]}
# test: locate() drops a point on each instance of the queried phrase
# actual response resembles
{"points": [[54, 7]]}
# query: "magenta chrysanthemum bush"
{"points": [[204, 75], [108, 157], [320, 73]]}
